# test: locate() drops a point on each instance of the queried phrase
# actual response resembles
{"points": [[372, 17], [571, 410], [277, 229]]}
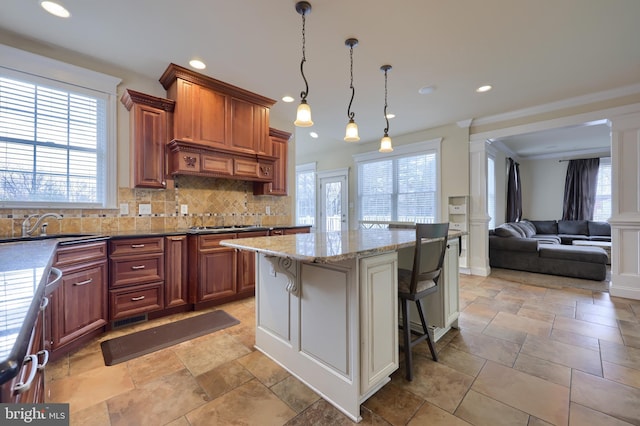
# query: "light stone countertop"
{"points": [[324, 247]]}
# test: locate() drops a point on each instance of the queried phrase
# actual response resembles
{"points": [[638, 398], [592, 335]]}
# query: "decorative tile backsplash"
{"points": [[210, 201]]}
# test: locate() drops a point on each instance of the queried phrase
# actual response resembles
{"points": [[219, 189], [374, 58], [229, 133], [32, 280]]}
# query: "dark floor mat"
{"points": [[133, 345]]}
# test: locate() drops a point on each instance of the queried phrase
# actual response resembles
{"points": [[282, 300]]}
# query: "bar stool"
{"points": [[415, 284]]}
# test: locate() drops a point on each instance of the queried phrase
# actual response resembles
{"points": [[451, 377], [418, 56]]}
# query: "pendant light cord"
{"points": [[350, 114], [386, 129], [304, 94]]}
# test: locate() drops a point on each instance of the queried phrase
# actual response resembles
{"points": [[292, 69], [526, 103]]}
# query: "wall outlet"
{"points": [[184, 209], [267, 210], [124, 208], [144, 209]]}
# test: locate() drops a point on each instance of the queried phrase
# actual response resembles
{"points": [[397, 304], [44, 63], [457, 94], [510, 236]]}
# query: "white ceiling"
{"points": [[532, 52]]}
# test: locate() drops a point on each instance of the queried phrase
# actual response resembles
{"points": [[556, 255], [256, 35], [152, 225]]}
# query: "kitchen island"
{"points": [[326, 307]]}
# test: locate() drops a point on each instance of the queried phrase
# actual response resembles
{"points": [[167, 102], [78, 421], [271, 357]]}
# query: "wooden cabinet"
{"points": [[246, 261], [217, 114], [136, 283], [279, 141], [149, 123], [78, 307], [290, 231], [176, 271], [212, 269]]}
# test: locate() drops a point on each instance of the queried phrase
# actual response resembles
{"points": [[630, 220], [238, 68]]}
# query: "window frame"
{"points": [[307, 168], [432, 146], [36, 69], [605, 161]]}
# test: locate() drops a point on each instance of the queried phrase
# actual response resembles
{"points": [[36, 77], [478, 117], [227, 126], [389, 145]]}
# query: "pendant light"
{"points": [[303, 115], [385, 142], [351, 134]]}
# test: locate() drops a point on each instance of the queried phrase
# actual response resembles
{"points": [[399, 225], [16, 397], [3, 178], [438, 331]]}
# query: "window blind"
{"points": [[52, 144]]}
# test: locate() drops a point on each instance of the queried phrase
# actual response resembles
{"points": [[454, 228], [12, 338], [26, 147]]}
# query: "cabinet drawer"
{"points": [[131, 301], [81, 253], [137, 270], [206, 242], [131, 246], [218, 164]]}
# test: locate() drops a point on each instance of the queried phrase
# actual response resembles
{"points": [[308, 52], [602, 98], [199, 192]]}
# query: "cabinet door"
{"points": [[216, 274], [81, 305], [175, 284], [246, 261], [279, 142], [244, 122], [210, 118], [148, 140]]}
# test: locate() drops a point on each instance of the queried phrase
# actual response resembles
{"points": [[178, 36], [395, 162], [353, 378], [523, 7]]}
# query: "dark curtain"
{"points": [[514, 193], [580, 189]]}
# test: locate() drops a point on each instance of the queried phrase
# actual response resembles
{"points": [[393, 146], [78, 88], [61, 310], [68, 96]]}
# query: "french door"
{"points": [[333, 197]]}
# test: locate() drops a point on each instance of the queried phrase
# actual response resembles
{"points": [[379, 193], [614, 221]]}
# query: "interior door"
{"points": [[334, 214]]}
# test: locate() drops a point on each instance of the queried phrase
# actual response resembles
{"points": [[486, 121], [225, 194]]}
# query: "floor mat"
{"points": [[133, 345]]}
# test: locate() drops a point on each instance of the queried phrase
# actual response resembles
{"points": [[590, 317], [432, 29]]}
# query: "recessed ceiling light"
{"points": [[197, 64], [287, 99], [55, 9], [484, 88], [313, 135], [390, 115], [425, 90]]}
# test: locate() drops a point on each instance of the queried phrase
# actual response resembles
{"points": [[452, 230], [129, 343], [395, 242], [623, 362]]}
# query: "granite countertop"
{"points": [[24, 272], [324, 247]]}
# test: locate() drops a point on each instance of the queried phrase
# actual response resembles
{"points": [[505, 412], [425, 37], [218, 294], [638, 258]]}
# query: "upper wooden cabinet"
{"points": [[216, 114], [279, 141], [150, 124]]}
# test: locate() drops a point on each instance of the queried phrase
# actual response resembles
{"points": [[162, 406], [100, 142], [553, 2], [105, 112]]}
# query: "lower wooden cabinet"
{"points": [[246, 261], [176, 290], [212, 269], [136, 282], [78, 307]]}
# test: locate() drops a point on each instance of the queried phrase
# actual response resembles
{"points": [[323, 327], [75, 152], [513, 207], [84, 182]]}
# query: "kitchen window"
{"points": [[404, 186], [57, 134], [602, 209]]}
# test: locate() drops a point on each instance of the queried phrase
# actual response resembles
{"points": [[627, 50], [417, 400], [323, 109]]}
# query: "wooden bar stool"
{"points": [[415, 284]]}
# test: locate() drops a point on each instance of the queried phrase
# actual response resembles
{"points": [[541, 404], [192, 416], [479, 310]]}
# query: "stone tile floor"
{"points": [[523, 355]]}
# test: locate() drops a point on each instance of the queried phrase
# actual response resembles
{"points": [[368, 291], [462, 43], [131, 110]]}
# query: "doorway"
{"points": [[333, 200]]}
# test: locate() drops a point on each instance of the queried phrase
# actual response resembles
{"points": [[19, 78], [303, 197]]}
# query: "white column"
{"points": [[478, 255], [625, 206]]}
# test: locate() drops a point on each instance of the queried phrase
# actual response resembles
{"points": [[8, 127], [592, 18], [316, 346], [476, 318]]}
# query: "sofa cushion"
{"points": [[513, 244], [546, 227], [600, 229], [525, 226], [507, 230], [547, 238], [573, 227], [576, 253], [599, 238], [570, 238]]}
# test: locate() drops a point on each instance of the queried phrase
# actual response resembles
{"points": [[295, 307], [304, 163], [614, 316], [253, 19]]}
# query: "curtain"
{"points": [[514, 193], [580, 189]]}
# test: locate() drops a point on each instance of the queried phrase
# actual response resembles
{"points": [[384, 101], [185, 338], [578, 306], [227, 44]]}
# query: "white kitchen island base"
{"points": [[331, 325]]}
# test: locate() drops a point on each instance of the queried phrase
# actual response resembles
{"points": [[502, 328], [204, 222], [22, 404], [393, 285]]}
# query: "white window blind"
{"points": [[602, 209], [401, 188], [52, 144], [306, 194]]}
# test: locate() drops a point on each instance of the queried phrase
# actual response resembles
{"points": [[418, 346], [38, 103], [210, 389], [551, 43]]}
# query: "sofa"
{"points": [[546, 246]]}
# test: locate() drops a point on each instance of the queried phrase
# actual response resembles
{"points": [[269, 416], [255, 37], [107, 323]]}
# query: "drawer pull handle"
{"points": [[136, 268], [44, 304], [176, 239], [137, 245], [21, 387], [85, 282], [136, 299], [45, 354]]}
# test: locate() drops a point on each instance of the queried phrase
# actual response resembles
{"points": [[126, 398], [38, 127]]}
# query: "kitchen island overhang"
{"points": [[326, 308]]}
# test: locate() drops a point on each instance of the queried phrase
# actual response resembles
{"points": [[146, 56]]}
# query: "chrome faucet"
{"points": [[26, 231]]}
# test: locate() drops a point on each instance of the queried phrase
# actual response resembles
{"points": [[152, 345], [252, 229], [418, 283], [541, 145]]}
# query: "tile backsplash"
{"points": [[210, 201]]}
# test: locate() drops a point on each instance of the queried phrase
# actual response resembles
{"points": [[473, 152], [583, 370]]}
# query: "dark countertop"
{"points": [[24, 272]]}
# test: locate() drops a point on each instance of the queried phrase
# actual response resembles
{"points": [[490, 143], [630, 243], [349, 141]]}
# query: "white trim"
{"points": [[42, 66], [333, 173], [401, 150], [306, 167], [594, 152], [565, 103]]}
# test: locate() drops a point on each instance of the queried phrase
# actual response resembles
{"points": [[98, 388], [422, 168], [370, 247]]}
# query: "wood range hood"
{"points": [[218, 129]]}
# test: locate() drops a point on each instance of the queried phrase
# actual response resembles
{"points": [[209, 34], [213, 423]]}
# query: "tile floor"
{"points": [[523, 355]]}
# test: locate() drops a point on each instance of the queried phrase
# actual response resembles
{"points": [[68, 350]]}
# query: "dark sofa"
{"points": [[546, 247]]}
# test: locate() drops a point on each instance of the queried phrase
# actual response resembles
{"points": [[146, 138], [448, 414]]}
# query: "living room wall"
{"points": [[542, 188]]}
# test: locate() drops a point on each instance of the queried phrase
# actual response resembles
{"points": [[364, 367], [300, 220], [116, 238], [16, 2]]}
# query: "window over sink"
{"points": [[57, 134]]}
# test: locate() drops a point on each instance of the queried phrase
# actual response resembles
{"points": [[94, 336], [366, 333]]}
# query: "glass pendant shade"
{"points": [[303, 116], [385, 144], [351, 134]]}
